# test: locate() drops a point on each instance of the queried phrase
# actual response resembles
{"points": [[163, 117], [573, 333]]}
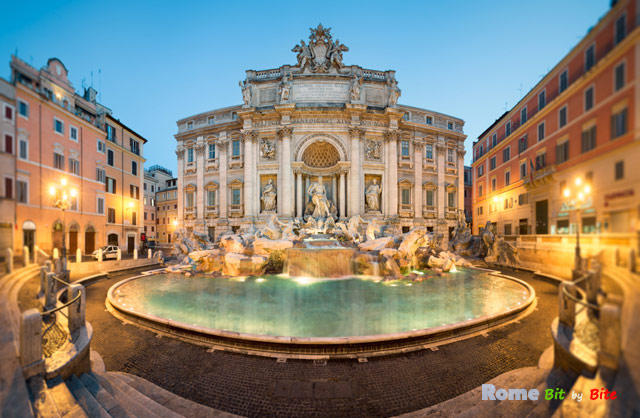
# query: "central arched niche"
{"points": [[320, 154]]}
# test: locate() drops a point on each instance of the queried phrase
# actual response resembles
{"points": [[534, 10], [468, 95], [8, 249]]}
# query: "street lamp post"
{"points": [[580, 191], [62, 201]]}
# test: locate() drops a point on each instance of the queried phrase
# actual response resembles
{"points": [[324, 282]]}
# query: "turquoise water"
{"points": [[305, 307]]}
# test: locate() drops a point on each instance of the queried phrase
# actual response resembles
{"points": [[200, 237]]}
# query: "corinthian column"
{"points": [[417, 177], [285, 172], [392, 138], [221, 147], [343, 195], [249, 170], [355, 193]]}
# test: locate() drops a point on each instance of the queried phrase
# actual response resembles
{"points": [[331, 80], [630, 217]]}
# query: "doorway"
{"points": [[73, 242], [89, 240], [131, 244], [542, 217], [112, 239], [29, 239]]}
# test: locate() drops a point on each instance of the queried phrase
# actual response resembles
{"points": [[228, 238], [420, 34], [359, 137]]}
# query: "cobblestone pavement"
{"points": [[257, 386]]}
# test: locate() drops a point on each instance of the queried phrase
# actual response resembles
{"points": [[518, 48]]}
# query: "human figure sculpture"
{"points": [[284, 89], [394, 94], [356, 83], [246, 92], [304, 54], [318, 195], [373, 196], [372, 229], [267, 149], [268, 198]]}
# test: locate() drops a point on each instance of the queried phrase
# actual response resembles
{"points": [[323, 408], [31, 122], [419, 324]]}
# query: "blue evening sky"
{"points": [[162, 61]]}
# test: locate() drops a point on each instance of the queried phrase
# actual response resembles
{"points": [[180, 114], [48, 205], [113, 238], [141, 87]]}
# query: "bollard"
{"points": [[593, 283], [610, 332], [9, 261], [149, 253], [100, 255], [31, 342], [43, 281], [25, 255], [119, 255], [36, 250], [632, 260], [50, 292], [48, 265], [57, 265], [78, 255], [76, 311], [135, 254], [56, 254], [567, 307]]}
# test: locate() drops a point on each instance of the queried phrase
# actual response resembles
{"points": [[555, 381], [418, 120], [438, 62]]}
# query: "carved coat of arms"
{"points": [[322, 53]]}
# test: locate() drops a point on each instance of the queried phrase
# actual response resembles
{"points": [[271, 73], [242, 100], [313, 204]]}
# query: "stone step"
{"points": [[90, 405], [170, 400], [134, 405], [108, 402], [42, 401], [65, 402], [140, 398]]}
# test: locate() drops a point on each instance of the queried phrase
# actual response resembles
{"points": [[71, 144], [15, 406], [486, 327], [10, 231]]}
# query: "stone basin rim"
{"points": [[488, 320]]}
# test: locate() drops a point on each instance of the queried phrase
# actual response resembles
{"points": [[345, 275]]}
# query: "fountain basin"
{"points": [[304, 316]]}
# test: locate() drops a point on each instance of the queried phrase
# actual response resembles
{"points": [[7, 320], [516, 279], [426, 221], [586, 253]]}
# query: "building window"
{"points": [[492, 163], [588, 99], [235, 196], [541, 161], [429, 151], [23, 151], [494, 185], [101, 146], [430, 198], [190, 155], [189, 125], [152, 187], [405, 148], [8, 188], [22, 191], [189, 199], [8, 144], [589, 139], [522, 143], [523, 115], [134, 218], [111, 215], [8, 112], [23, 109], [450, 156], [619, 124], [494, 140], [110, 157], [450, 126], [542, 99], [507, 129], [429, 120], [589, 57], [620, 29], [235, 148], [451, 199], [563, 81], [111, 185], [479, 210], [212, 151], [619, 170], [74, 166], [506, 154], [100, 175], [73, 133], [619, 76], [58, 126], [480, 170], [562, 117], [562, 152], [211, 197], [135, 146], [100, 206], [111, 133], [58, 161], [134, 168], [134, 192], [406, 196], [507, 178], [523, 170], [541, 132]]}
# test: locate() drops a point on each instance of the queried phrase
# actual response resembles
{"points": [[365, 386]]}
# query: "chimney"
{"points": [[90, 94]]}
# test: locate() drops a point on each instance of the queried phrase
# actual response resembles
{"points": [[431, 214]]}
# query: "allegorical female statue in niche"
{"points": [[372, 196], [268, 198]]}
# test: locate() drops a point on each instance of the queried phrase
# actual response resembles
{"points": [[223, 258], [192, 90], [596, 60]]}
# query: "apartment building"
{"points": [[167, 214], [577, 126], [7, 163], [155, 179], [63, 136]]}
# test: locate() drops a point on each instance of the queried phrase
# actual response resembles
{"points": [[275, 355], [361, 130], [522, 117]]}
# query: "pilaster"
{"points": [[222, 146], [460, 154], [200, 192], [249, 171], [180, 156], [284, 171], [392, 190], [417, 178], [440, 151], [355, 198]]}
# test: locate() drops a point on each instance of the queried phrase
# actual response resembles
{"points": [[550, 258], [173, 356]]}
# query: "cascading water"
{"points": [[320, 258]]}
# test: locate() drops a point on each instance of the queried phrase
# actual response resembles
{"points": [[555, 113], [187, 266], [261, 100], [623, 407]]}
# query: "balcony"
{"points": [[429, 212], [190, 213], [211, 165], [236, 211], [190, 168], [405, 211], [451, 212], [236, 161], [404, 161], [211, 211]]}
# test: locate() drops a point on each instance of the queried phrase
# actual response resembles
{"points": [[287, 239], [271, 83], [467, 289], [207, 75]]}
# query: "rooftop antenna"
{"points": [[505, 106], [99, 85], [84, 83], [520, 89], [91, 78]]}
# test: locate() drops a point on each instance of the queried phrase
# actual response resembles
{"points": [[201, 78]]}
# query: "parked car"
{"points": [[108, 251]]}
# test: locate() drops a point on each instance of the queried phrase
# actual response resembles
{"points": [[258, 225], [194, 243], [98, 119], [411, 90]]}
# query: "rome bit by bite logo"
{"points": [[490, 393]]}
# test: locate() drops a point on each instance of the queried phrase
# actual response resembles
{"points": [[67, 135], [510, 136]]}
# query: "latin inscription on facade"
{"points": [[321, 92]]}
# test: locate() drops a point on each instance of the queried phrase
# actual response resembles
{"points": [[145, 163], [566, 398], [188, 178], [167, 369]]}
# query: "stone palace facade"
{"points": [[319, 121]]}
